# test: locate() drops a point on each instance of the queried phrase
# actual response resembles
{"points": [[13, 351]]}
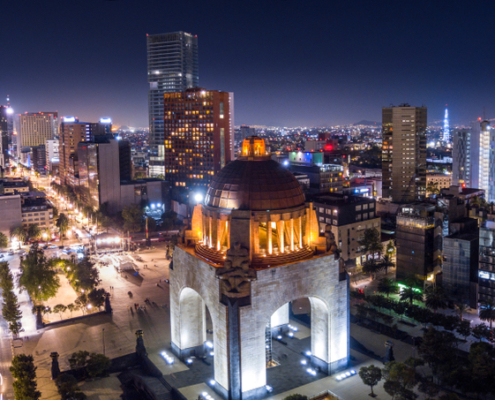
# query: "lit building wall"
{"points": [[172, 67], [198, 126], [404, 153]]}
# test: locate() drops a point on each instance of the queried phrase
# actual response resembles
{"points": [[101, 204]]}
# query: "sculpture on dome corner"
{"points": [[235, 275], [331, 244]]}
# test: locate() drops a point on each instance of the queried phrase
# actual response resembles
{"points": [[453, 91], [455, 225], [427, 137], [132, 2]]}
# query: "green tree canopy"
{"points": [[370, 376], [435, 298], [24, 372], [387, 286], [487, 312], [34, 232], [38, 276], [372, 241], [63, 225], [97, 365], [19, 233], [133, 218], [4, 240]]}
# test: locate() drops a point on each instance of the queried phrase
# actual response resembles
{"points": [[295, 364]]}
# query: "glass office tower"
{"points": [[172, 67]]}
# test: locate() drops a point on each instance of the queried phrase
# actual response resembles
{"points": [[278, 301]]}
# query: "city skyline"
{"points": [[288, 64]]}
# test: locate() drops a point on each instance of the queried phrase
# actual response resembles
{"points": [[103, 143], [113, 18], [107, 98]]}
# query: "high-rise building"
{"points": [[73, 132], [446, 128], [466, 156], [52, 154], [404, 153], [487, 161], [36, 128], [4, 135], [172, 67], [199, 128]]}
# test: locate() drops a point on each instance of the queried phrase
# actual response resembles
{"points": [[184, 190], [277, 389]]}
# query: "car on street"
{"points": [[11, 253]]}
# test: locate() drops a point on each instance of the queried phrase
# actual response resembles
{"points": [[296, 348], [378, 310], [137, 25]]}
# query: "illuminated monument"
{"points": [[254, 247]]}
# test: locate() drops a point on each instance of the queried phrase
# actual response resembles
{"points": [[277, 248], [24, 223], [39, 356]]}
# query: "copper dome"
{"points": [[254, 185]]}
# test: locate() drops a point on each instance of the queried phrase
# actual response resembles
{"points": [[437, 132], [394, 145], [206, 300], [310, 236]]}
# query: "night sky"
{"points": [[289, 63]]}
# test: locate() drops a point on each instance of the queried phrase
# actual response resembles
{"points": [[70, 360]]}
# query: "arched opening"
{"points": [[297, 342], [196, 326]]}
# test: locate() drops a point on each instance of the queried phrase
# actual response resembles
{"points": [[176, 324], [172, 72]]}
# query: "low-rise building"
{"points": [[10, 213], [11, 186], [349, 217], [37, 211], [441, 181]]}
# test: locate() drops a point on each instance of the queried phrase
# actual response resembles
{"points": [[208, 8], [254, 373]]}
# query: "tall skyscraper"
{"points": [[446, 128], [72, 132], [5, 115], [466, 156], [487, 160], [172, 67], [404, 153], [36, 128], [199, 135]]}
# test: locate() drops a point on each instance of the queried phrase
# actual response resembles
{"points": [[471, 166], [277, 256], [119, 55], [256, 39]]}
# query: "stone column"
{"points": [[299, 221], [210, 236], [256, 236], [280, 231], [140, 349], [227, 231], [220, 230], [292, 234], [269, 236]]}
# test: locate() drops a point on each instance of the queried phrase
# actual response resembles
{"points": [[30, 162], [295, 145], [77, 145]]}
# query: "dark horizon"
{"points": [[288, 63]]}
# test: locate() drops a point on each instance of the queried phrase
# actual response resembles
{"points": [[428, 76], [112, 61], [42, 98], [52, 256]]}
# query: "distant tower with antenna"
{"points": [[446, 129]]}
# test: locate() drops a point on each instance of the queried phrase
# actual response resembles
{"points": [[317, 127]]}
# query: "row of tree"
{"points": [[11, 311], [24, 373]]}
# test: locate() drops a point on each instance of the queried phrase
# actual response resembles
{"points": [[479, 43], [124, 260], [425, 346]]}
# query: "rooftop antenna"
{"points": [[484, 113]]}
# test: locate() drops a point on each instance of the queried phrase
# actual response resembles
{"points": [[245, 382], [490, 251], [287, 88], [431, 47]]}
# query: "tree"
{"points": [[62, 225], [82, 302], [461, 309], [59, 309], [386, 262], [400, 379], [97, 365], [387, 286], [432, 188], [437, 350], [133, 218], [67, 387], [37, 276], [372, 241], [169, 220], [55, 212], [24, 372], [151, 224], [4, 240], [435, 298], [370, 376], [34, 232], [487, 312], [19, 233], [464, 328], [371, 267], [78, 359], [481, 331], [390, 250], [71, 307], [481, 367], [410, 294], [97, 297]]}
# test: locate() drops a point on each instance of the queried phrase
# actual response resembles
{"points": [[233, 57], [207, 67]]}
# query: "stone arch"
{"points": [[192, 321], [320, 327]]}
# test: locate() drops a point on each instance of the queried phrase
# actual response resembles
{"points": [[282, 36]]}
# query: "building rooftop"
{"points": [[464, 236], [337, 199]]}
